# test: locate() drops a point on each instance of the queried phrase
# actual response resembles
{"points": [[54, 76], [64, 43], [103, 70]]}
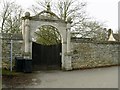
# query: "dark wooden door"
{"points": [[46, 56]]}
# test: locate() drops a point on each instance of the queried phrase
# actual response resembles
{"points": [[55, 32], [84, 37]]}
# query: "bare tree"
{"points": [[10, 16], [91, 29], [39, 6], [70, 8], [48, 35], [5, 12], [63, 8], [81, 23]]}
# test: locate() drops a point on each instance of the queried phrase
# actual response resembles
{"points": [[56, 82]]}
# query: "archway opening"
{"points": [[47, 35], [46, 48]]}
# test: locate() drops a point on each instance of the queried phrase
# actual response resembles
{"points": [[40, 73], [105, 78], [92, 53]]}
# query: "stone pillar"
{"points": [[64, 49], [68, 38], [26, 35], [68, 62]]}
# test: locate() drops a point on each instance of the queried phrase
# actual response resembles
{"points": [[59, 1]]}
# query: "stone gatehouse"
{"points": [[75, 54], [32, 23]]}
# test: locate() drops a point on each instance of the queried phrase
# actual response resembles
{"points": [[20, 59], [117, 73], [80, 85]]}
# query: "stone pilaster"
{"points": [[68, 53], [64, 49], [68, 40], [26, 35]]}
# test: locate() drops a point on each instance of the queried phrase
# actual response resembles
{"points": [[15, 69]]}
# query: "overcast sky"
{"points": [[101, 10], [104, 11]]}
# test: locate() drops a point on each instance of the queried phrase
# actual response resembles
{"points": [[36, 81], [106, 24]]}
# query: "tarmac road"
{"points": [[89, 78]]}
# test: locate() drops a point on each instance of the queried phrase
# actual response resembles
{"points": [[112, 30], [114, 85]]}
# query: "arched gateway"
{"points": [[31, 23]]}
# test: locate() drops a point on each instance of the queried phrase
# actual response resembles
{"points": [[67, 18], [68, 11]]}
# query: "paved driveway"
{"points": [[90, 78]]}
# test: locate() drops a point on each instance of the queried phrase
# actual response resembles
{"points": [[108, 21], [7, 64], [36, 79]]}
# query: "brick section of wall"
{"points": [[94, 54]]}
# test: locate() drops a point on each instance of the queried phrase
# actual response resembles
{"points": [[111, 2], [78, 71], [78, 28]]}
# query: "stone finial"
{"points": [[48, 7], [27, 14], [110, 35], [110, 32]]}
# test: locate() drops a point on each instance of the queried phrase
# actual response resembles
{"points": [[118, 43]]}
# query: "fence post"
{"points": [[11, 46]]}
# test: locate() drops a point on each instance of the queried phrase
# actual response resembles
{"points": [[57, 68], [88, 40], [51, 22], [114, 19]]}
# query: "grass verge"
{"points": [[9, 73]]}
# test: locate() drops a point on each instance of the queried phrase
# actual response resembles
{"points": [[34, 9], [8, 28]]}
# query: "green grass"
{"points": [[8, 72]]}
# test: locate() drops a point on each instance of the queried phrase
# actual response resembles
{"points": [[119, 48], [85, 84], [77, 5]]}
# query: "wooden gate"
{"points": [[46, 56]]}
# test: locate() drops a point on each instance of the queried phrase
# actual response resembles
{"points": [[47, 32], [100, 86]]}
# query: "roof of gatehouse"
{"points": [[46, 15]]}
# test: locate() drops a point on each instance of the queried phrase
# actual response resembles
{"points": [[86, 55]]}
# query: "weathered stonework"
{"points": [[75, 54], [93, 54], [30, 24]]}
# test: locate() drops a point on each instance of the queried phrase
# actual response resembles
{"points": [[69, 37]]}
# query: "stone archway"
{"points": [[46, 48], [31, 23], [47, 35]]}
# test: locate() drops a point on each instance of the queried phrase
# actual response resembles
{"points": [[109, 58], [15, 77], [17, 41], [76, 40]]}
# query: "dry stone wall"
{"points": [[94, 54]]}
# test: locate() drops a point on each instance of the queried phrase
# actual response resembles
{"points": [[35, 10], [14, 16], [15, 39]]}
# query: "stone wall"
{"points": [[94, 54]]}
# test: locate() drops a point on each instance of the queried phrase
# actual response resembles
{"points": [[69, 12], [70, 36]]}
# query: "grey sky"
{"points": [[101, 10]]}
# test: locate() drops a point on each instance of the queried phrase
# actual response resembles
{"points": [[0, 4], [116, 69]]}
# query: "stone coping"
{"points": [[97, 42]]}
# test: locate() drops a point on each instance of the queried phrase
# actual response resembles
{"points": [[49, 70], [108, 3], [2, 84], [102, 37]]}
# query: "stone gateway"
{"points": [[73, 54], [32, 23]]}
